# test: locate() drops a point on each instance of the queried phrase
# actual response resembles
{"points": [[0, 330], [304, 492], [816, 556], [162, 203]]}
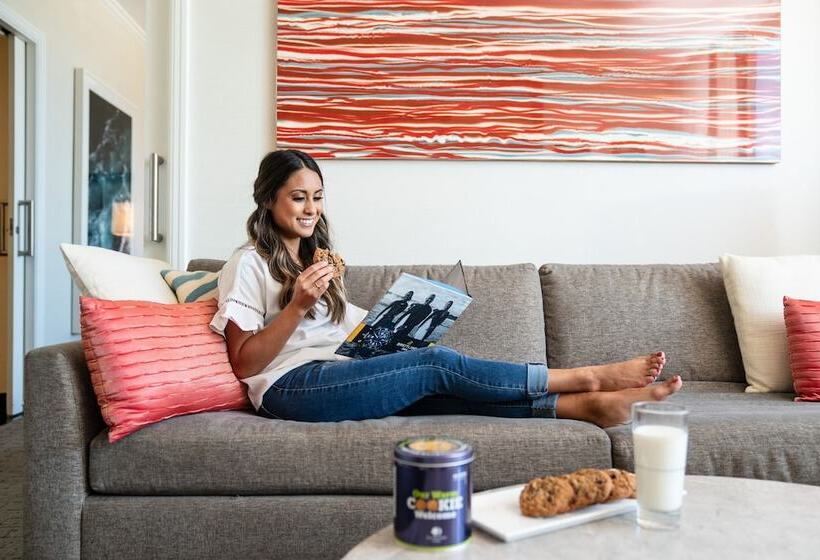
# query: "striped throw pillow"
{"points": [[192, 286]]}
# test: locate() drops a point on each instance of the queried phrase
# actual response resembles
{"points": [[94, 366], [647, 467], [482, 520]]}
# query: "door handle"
{"points": [[28, 205], [4, 250], [156, 161]]}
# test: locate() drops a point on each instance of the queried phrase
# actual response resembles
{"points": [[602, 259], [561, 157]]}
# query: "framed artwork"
{"points": [[635, 80], [104, 156]]}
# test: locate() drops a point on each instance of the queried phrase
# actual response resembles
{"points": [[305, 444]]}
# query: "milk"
{"points": [[660, 464]]}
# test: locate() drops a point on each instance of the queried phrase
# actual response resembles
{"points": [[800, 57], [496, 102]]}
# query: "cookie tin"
{"points": [[432, 490]]}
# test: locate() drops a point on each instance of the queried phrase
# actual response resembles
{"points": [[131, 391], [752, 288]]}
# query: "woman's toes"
{"points": [[661, 362], [656, 363], [667, 387]]}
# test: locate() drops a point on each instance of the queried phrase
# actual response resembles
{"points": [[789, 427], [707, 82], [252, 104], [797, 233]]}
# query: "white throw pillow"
{"points": [[755, 287], [106, 274]]}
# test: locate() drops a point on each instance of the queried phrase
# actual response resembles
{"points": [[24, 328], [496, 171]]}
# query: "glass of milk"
{"points": [[660, 435]]}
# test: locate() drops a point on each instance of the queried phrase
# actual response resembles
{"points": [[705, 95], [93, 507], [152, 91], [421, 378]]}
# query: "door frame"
{"points": [[178, 155], [35, 173]]}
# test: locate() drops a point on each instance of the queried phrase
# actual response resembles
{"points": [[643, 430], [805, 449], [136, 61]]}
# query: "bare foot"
{"points": [[607, 409], [637, 372]]}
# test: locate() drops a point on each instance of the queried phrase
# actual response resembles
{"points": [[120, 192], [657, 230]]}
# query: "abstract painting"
{"points": [[109, 176], [104, 155], [635, 80], [103, 148]]}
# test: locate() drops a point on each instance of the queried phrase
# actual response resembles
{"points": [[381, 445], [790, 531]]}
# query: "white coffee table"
{"points": [[723, 518]]}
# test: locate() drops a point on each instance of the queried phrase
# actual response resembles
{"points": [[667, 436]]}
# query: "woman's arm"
{"points": [[249, 353]]}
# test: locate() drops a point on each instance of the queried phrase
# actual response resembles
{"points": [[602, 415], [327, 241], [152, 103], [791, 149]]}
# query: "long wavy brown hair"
{"points": [[265, 237]]}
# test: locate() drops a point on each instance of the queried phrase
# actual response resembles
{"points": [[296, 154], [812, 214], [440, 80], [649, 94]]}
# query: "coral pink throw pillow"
{"points": [[803, 333], [151, 361]]}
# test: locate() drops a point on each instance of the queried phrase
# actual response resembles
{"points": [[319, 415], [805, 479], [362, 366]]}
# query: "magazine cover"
{"points": [[414, 313]]}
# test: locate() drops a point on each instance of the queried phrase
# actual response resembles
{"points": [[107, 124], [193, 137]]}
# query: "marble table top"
{"points": [[724, 518]]}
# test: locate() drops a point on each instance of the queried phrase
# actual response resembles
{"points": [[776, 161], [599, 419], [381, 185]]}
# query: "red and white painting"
{"points": [[639, 80]]}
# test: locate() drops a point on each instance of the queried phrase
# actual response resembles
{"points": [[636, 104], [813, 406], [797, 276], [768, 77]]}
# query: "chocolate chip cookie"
{"points": [[551, 495], [333, 259], [623, 484], [543, 497], [592, 486]]}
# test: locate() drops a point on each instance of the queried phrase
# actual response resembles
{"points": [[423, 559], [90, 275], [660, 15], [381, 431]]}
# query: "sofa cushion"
{"points": [[209, 265], [602, 313], [504, 321], [746, 435], [240, 453], [508, 292], [712, 387]]}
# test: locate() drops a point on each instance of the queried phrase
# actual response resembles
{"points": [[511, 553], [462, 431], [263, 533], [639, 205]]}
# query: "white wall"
{"points": [[157, 116], [90, 35], [231, 125], [136, 10], [499, 212]]}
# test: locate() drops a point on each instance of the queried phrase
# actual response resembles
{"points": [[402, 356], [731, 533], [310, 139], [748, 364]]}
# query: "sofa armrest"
{"points": [[61, 418]]}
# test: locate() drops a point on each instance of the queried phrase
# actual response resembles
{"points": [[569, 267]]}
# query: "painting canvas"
{"points": [[109, 176], [104, 156], [637, 80]]}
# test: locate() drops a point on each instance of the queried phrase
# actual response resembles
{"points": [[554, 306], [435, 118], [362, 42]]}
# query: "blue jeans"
{"points": [[434, 380]]}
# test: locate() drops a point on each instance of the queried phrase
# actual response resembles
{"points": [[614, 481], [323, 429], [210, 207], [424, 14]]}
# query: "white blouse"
{"points": [[249, 296]]}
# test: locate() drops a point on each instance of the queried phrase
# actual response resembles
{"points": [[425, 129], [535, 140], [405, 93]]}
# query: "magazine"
{"points": [[414, 313]]}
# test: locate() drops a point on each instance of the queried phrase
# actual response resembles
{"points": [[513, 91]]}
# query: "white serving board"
{"points": [[497, 512]]}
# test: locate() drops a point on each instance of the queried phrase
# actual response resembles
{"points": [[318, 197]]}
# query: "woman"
{"points": [[283, 318]]}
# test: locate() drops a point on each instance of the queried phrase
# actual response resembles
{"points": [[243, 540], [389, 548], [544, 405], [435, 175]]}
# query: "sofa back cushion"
{"points": [[503, 322], [602, 313], [210, 265]]}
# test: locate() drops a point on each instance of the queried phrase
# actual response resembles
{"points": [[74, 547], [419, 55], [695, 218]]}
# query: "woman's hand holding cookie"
{"points": [[333, 259], [310, 285]]}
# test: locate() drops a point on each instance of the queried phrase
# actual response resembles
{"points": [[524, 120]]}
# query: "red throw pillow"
{"points": [[151, 361], [803, 333]]}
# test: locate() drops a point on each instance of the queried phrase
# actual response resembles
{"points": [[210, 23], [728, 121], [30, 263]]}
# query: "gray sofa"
{"points": [[234, 485]]}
